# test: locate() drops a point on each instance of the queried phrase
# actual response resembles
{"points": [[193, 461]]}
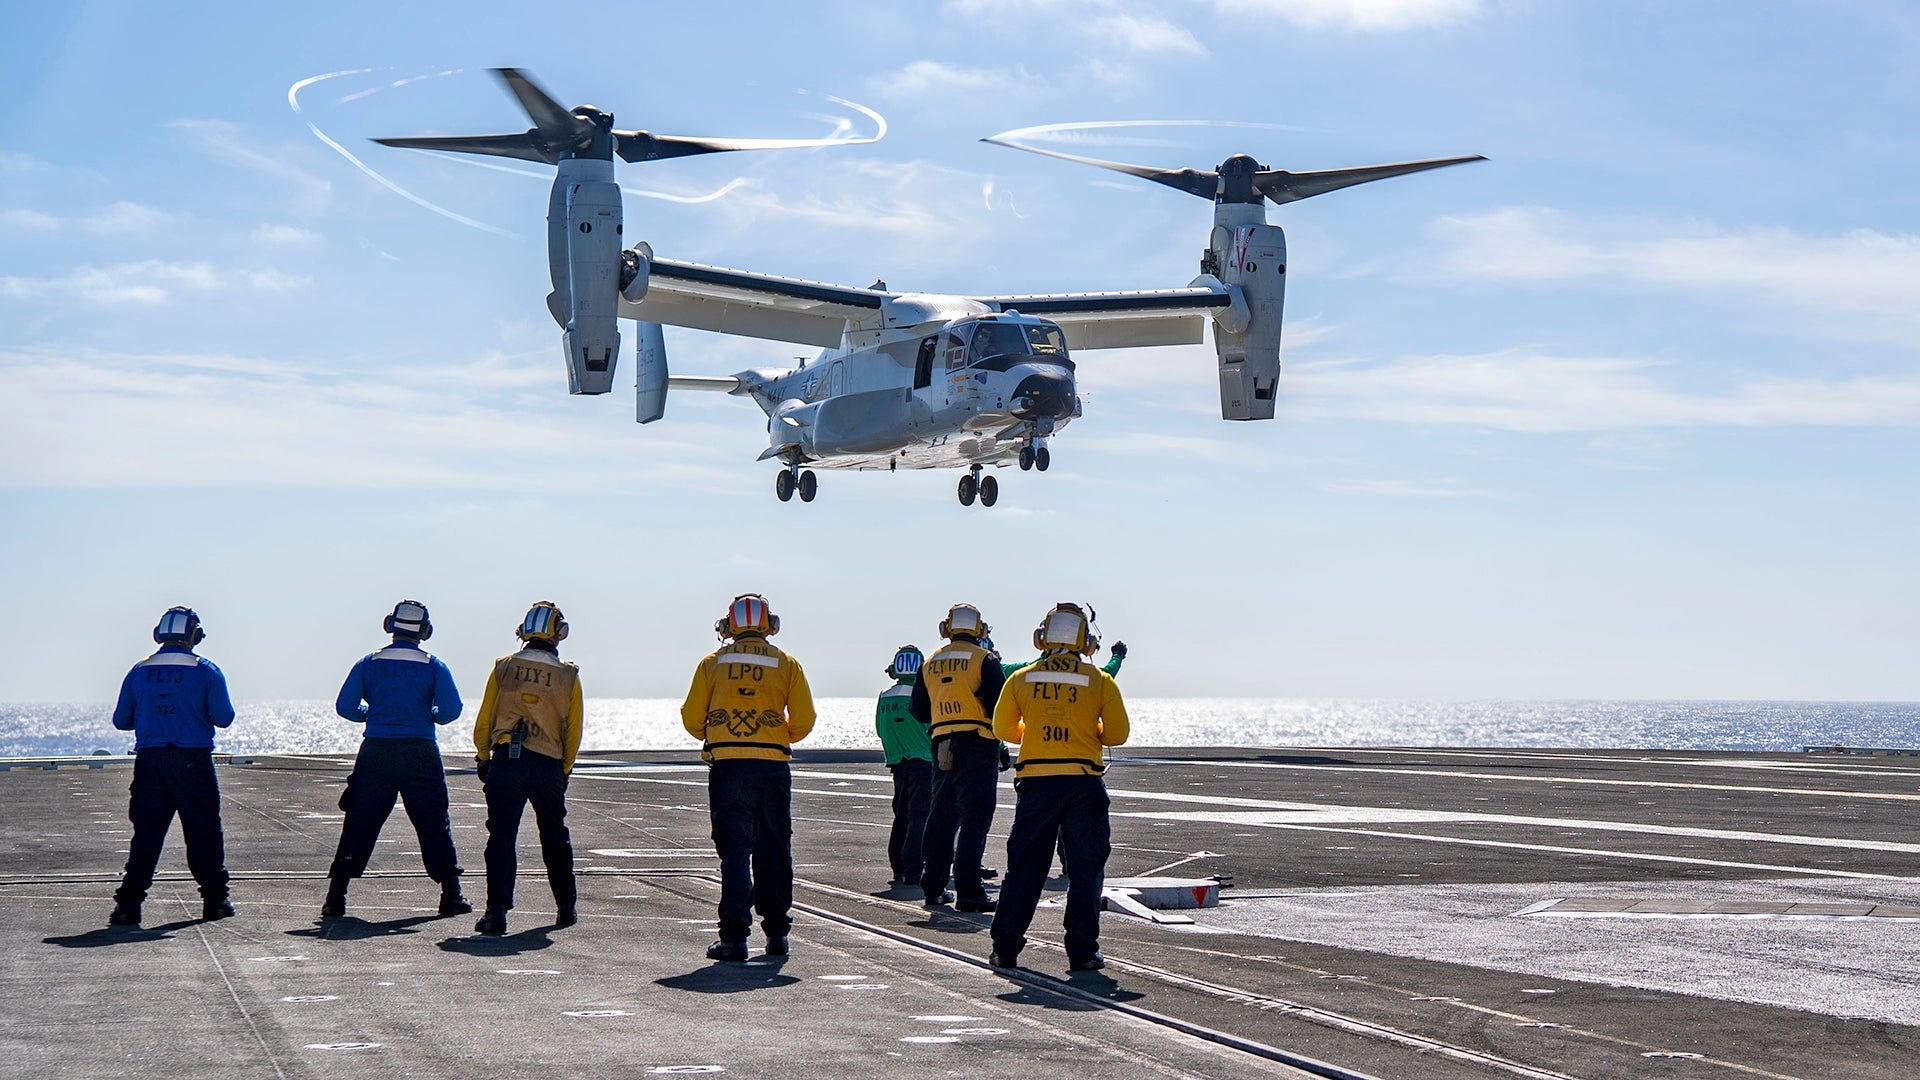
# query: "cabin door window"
{"points": [[923, 363]]}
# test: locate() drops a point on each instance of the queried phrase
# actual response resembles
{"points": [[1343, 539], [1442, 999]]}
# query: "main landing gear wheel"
{"points": [[809, 486], [1026, 459], [989, 491], [968, 488], [1041, 458], [783, 485]]}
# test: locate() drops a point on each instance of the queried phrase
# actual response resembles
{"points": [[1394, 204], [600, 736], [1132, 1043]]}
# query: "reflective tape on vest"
{"points": [[172, 659], [1066, 677], [747, 658]]}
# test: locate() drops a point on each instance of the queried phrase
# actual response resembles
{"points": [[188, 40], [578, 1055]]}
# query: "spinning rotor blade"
{"points": [[1193, 182], [635, 146], [513, 146], [1282, 186], [549, 117]]}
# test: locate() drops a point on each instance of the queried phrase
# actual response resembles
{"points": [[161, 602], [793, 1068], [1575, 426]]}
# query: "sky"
{"points": [[1629, 410]]}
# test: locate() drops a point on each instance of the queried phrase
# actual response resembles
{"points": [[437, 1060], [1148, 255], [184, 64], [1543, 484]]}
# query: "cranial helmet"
{"points": [[964, 620], [409, 619], [906, 661], [179, 626], [748, 614], [1067, 627], [544, 623]]}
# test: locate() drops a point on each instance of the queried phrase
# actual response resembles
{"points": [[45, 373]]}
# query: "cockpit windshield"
{"points": [[996, 346]]}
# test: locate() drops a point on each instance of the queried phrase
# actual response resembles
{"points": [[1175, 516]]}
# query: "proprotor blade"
{"points": [[548, 115], [634, 146], [1284, 187], [513, 146], [1191, 181]]}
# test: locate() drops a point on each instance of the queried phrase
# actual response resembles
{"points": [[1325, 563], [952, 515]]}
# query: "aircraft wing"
{"points": [[1115, 320], [753, 305]]}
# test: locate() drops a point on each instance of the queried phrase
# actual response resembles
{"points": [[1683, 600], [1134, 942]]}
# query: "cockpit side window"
{"points": [[1046, 340], [956, 351], [923, 363]]}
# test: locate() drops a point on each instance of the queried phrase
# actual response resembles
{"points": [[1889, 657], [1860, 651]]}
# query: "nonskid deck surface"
{"points": [[1397, 912]]}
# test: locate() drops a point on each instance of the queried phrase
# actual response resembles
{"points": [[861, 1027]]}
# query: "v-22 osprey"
{"points": [[904, 380]]}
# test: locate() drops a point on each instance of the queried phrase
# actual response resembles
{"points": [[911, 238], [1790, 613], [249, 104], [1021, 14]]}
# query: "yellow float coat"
{"points": [[748, 700], [952, 678], [536, 686], [1062, 711]]}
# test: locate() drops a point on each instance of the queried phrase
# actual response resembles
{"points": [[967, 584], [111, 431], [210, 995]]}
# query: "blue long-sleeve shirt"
{"points": [[399, 692], [173, 698]]}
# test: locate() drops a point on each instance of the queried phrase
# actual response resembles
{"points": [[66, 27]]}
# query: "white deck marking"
{"points": [[1810, 765], [1642, 856], [1587, 780]]}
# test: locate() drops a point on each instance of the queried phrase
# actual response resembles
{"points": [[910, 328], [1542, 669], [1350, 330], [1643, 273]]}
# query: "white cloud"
{"points": [[33, 220], [291, 236], [226, 143], [1129, 26], [151, 281], [929, 209], [1538, 393], [91, 419], [1870, 278], [120, 217], [1144, 33], [1358, 15], [932, 79]]}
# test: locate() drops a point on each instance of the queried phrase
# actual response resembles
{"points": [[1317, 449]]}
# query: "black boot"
{"points": [[729, 951], [335, 905], [125, 913], [494, 922], [215, 908], [451, 902], [568, 914]]}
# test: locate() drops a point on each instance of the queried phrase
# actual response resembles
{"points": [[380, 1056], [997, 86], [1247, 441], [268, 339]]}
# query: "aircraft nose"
{"points": [[1044, 393]]}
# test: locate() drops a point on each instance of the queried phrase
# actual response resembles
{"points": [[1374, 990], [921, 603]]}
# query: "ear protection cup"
{"points": [[409, 618], [179, 626]]}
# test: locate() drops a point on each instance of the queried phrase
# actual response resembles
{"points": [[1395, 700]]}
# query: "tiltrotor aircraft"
{"points": [[904, 380]]}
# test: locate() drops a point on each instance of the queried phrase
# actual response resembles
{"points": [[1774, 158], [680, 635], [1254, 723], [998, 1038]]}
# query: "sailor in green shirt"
{"points": [[909, 748]]}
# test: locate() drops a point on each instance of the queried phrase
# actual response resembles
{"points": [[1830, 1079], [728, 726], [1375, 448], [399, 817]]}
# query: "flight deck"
{"points": [[1385, 913]]}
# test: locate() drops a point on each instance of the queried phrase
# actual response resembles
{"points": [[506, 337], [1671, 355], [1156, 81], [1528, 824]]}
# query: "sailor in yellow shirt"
{"points": [[749, 703], [1063, 711], [526, 736]]}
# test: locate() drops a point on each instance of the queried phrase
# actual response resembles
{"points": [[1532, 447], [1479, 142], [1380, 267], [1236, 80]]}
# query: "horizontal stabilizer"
{"points": [[719, 384]]}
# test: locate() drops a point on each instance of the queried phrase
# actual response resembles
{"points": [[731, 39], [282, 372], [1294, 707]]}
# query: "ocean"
{"points": [[309, 727]]}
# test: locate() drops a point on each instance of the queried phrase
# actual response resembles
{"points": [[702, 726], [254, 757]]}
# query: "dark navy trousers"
{"points": [[512, 783], [912, 795], [959, 815], [751, 805], [1070, 810], [387, 769], [169, 780]]}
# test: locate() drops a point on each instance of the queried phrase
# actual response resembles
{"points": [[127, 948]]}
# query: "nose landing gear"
{"points": [[793, 478], [986, 488]]}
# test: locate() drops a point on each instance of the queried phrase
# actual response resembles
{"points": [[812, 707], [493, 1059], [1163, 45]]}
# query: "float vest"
{"points": [[952, 678], [1062, 711], [748, 700], [534, 686]]}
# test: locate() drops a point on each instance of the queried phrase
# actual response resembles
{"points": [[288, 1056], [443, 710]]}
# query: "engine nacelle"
{"points": [[650, 369], [1253, 259], [593, 285]]}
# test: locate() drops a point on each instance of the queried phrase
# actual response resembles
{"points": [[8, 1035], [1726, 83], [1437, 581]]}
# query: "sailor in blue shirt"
{"points": [[172, 701], [401, 693]]}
